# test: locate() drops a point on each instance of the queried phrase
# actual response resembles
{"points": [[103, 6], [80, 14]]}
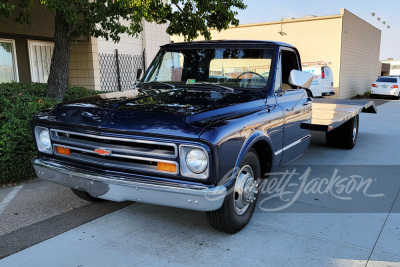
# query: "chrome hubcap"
{"points": [[245, 190]]}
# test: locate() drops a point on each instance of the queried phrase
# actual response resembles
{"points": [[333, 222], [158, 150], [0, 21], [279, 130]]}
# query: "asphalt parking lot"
{"points": [[58, 229]]}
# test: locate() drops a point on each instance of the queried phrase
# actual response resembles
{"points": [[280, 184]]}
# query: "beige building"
{"points": [[93, 63], [393, 67], [25, 53], [347, 43]]}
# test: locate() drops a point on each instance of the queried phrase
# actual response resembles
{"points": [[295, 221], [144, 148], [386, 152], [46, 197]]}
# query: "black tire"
{"points": [[86, 196], [226, 219], [345, 136]]}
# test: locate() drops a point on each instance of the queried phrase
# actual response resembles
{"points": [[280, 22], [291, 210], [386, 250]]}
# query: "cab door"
{"points": [[296, 108]]}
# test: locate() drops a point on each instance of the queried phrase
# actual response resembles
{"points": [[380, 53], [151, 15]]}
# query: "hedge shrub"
{"points": [[18, 103]]}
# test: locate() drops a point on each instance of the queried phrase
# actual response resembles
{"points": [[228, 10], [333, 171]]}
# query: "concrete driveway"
{"points": [[316, 230]]}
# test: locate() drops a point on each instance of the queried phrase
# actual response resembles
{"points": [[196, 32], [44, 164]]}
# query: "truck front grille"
{"points": [[115, 152]]}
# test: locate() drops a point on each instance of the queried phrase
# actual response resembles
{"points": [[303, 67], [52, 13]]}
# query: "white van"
{"points": [[322, 84]]}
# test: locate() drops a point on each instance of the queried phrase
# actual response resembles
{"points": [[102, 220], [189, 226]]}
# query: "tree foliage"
{"points": [[105, 18], [5, 8], [191, 18]]}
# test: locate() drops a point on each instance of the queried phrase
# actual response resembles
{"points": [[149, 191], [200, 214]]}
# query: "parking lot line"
{"points": [[9, 197]]}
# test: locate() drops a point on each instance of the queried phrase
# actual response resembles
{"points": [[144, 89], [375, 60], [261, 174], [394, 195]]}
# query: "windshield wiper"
{"points": [[173, 86], [218, 85]]}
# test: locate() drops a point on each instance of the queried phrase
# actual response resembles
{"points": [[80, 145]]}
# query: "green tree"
{"points": [[103, 18]]}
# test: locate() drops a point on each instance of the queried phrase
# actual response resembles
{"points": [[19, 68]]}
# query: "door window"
{"points": [[288, 62], [8, 62]]}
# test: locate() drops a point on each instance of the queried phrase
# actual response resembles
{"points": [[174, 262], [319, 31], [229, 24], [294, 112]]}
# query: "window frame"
{"points": [[288, 49], [30, 43], [14, 57]]}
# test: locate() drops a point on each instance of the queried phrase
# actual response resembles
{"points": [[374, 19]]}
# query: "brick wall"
{"points": [[84, 65]]}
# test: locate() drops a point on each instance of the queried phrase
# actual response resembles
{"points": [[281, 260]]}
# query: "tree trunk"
{"points": [[57, 82]]}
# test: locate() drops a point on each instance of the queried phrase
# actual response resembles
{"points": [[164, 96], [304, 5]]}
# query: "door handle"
{"points": [[290, 109], [268, 110]]}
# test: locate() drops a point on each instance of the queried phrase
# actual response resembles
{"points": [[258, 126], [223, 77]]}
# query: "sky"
{"points": [[387, 10]]}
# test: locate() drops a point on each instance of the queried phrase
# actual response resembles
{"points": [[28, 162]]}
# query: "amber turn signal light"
{"points": [[166, 167], [63, 150]]}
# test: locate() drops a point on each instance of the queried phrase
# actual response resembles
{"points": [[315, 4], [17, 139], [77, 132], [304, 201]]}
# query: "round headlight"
{"points": [[196, 160], [44, 138]]}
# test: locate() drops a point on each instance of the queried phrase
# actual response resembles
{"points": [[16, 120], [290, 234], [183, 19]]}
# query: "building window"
{"points": [[8, 61], [40, 54]]}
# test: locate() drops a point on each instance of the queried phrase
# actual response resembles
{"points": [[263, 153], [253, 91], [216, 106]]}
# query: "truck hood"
{"points": [[177, 112]]}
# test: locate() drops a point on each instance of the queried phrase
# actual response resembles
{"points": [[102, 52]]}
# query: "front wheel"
{"points": [[241, 200]]}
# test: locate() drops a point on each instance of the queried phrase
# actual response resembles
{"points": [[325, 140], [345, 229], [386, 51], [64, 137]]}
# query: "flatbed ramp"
{"points": [[328, 114]]}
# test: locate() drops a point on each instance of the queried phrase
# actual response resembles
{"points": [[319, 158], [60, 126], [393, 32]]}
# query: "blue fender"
{"points": [[256, 136]]}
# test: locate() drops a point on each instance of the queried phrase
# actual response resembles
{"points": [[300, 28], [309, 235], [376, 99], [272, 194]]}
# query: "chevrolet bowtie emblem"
{"points": [[102, 152]]}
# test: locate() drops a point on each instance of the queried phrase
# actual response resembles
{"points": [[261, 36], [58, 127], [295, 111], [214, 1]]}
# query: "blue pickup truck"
{"points": [[210, 120]]}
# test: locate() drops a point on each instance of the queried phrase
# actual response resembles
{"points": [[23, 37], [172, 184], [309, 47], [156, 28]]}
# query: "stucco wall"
{"points": [[360, 64]]}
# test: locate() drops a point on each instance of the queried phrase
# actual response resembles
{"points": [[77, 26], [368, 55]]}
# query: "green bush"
{"points": [[18, 103], [365, 95]]}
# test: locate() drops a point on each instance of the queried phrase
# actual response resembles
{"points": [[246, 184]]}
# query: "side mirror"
{"points": [[300, 78], [139, 74]]}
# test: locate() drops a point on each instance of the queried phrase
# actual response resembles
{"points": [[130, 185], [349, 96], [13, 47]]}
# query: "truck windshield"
{"points": [[233, 68]]}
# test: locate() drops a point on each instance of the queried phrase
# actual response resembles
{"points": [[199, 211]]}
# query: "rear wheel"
{"points": [[344, 136], [85, 195], [240, 202]]}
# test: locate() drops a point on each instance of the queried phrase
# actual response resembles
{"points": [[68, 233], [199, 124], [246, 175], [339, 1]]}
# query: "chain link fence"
{"points": [[118, 71]]}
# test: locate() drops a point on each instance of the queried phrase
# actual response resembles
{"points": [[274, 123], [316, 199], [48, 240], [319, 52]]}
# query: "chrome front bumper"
{"points": [[120, 189]]}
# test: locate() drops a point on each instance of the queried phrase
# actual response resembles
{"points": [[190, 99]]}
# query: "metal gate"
{"points": [[118, 71]]}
